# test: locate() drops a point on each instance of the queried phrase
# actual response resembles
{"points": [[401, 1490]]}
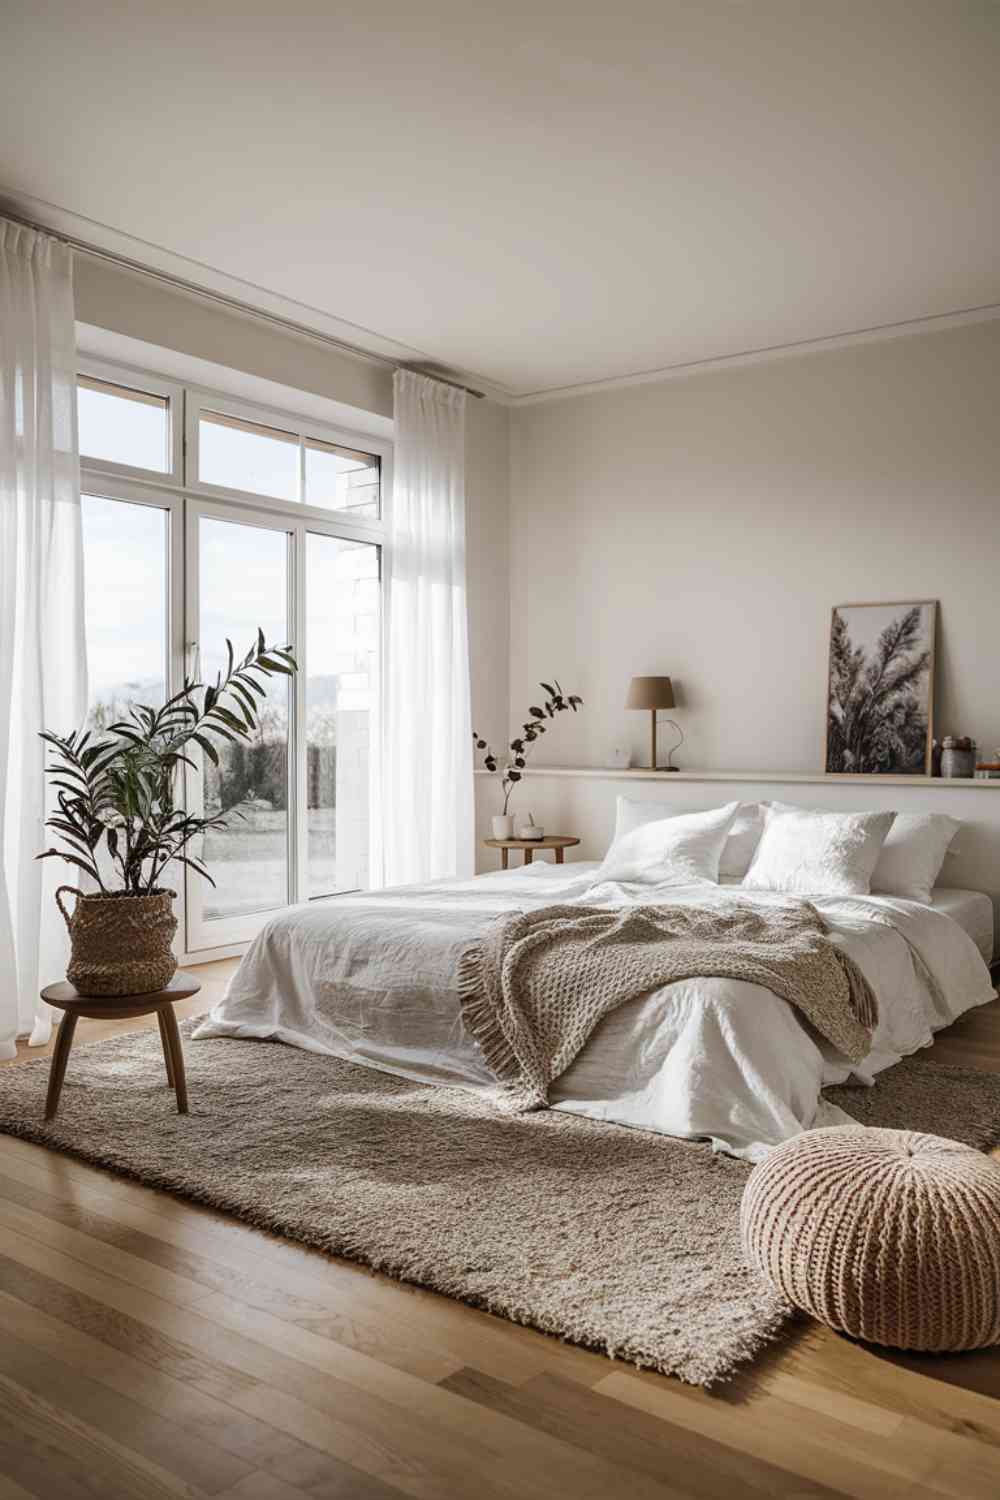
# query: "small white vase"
{"points": [[503, 826]]}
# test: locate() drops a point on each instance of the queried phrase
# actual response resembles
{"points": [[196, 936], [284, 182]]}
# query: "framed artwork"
{"points": [[880, 688]]}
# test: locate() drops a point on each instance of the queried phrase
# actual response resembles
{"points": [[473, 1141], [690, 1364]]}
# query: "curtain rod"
{"points": [[235, 305]]}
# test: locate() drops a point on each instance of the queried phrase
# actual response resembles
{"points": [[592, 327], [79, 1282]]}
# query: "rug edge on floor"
{"points": [[743, 1346]]}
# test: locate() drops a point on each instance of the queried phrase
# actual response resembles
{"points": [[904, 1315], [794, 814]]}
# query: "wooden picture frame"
{"points": [[892, 734]]}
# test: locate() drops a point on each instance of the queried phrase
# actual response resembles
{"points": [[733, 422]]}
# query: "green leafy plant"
{"points": [[555, 702], [122, 792]]}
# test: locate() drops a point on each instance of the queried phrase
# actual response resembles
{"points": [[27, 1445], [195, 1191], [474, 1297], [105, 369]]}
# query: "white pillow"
{"points": [[741, 845], [682, 850], [912, 855], [812, 853], [630, 815], [744, 834]]}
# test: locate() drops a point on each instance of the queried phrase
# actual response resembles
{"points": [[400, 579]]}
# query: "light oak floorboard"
{"points": [[10, 1490], [633, 1441], [151, 1347], [84, 1460], [112, 1416]]}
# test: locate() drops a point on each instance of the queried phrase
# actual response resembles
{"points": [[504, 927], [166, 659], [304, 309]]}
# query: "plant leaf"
{"points": [[208, 748], [87, 866]]}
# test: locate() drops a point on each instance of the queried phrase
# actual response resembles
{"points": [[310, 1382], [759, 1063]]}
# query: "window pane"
{"points": [[341, 478], [245, 456], [244, 584], [342, 636], [122, 425], [125, 563]]}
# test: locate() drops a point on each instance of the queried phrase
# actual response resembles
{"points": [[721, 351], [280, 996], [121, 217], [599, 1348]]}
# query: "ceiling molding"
{"points": [[242, 298], [934, 324]]}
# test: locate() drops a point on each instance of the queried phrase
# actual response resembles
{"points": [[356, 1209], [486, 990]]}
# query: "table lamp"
{"points": [[654, 693]]}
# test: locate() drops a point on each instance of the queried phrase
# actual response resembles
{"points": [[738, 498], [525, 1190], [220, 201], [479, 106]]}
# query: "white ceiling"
{"points": [[537, 194]]}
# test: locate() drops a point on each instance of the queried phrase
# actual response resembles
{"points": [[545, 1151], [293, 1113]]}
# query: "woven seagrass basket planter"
{"points": [[120, 944]]}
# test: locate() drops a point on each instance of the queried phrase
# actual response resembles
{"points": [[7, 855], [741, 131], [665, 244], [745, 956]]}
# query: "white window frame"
{"points": [[184, 497], [150, 385], [198, 401]]}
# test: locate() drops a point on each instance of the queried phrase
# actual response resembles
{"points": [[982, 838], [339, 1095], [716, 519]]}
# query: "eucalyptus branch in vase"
{"points": [[516, 756]]}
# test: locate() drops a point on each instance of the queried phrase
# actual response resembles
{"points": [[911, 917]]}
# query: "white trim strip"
{"points": [[147, 259], [245, 298], [878, 334]]}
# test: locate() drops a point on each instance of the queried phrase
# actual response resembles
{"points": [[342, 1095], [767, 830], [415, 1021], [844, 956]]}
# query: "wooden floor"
{"points": [[150, 1348]]}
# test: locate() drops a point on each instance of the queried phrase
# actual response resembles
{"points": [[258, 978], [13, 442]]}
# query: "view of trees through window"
{"points": [[243, 586]]}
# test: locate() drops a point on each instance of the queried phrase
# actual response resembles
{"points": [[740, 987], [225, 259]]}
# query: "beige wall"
{"points": [[144, 309], [704, 527]]}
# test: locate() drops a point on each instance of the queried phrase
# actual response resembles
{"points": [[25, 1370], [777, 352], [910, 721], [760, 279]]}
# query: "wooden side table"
{"points": [[67, 998], [557, 841]]}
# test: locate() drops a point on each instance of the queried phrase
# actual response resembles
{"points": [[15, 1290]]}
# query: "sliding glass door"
{"points": [[295, 795], [241, 568], [340, 681], [126, 548]]}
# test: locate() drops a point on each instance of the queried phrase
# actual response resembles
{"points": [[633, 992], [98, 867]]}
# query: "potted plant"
{"points": [[555, 702], [118, 819]]}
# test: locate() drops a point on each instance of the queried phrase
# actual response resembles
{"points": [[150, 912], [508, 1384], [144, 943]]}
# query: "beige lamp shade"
{"points": [[650, 692]]}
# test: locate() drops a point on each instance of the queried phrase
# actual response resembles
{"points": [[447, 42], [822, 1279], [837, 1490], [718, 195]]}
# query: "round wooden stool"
{"points": [[119, 1008]]}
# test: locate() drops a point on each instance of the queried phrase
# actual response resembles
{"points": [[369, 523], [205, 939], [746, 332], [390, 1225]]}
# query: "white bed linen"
{"points": [[371, 978], [972, 910]]}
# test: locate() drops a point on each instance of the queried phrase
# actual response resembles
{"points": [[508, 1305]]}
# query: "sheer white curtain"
{"points": [[43, 675], [427, 820]]}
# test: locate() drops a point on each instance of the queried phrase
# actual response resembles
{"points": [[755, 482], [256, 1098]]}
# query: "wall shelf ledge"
{"points": [[815, 778]]}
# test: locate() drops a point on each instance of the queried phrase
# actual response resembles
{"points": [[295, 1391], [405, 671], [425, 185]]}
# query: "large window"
{"points": [[123, 426], [243, 587], [125, 548], [341, 689], [260, 520], [232, 452]]}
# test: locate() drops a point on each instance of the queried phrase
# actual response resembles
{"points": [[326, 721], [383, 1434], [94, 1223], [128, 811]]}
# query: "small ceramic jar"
{"points": [[958, 762]]}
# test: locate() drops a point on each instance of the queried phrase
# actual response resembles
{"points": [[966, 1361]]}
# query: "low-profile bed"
{"points": [[375, 979]]}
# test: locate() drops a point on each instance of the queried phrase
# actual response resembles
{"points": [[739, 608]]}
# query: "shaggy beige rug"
{"points": [[617, 1239]]}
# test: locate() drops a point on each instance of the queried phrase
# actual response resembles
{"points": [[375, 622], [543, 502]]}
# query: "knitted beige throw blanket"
{"points": [[535, 986]]}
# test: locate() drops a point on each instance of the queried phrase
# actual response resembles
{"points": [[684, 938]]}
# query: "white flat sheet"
{"points": [[972, 910], [371, 978]]}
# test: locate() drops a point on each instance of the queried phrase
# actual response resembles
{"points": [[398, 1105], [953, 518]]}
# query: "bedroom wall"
{"points": [[703, 527], [134, 305]]}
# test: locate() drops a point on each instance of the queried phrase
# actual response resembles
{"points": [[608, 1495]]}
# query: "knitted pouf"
{"points": [[888, 1235]]}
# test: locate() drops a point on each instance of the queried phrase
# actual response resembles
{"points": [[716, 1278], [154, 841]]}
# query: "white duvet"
{"points": [[371, 978]]}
